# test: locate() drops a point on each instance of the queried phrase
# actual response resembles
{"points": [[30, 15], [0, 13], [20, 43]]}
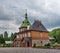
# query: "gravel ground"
{"points": [[28, 50]]}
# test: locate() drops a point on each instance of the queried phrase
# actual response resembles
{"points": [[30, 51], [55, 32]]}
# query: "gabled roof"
{"points": [[37, 25]]}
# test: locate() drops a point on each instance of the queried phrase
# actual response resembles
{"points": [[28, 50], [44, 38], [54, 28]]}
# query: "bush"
{"points": [[40, 47], [48, 45], [34, 45], [56, 45], [8, 45]]}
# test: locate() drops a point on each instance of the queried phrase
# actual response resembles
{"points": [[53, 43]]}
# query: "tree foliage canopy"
{"points": [[2, 41], [5, 34], [56, 34], [13, 35]]}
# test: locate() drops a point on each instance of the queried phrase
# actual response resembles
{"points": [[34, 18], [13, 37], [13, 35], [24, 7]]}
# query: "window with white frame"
{"points": [[17, 36], [20, 36], [28, 27], [25, 35], [29, 34]]}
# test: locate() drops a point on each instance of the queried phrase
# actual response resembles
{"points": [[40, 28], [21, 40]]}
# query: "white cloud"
{"points": [[12, 13]]}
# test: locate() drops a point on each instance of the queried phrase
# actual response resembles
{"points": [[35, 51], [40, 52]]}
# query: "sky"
{"points": [[12, 13]]}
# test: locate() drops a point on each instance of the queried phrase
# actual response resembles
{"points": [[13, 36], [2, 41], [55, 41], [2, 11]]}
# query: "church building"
{"points": [[29, 35]]}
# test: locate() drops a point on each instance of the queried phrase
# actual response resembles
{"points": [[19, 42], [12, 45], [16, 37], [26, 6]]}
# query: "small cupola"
{"points": [[25, 23]]}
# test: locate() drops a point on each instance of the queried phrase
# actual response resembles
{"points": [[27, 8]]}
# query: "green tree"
{"points": [[56, 34], [13, 35], [2, 41], [5, 34], [1, 35], [6, 38]]}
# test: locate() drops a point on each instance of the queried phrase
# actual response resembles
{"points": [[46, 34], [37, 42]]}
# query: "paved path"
{"points": [[28, 50]]}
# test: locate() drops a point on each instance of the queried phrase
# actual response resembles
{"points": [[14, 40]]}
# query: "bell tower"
{"points": [[25, 23]]}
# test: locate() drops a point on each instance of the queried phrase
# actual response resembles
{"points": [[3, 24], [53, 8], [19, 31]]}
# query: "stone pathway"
{"points": [[28, 50]]}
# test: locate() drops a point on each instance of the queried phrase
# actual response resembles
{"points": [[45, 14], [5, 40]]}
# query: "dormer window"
{"points": [[28, 27], [23, 21]]}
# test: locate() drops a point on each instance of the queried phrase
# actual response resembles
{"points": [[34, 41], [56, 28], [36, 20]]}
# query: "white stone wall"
{"points": [[45, 41], [38, 42]]}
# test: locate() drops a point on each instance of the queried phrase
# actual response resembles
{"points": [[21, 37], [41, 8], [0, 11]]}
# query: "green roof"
{"points": [[26, 22], [8, 42]]}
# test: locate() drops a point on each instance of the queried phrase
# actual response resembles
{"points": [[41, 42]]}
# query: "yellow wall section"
{"points": [[37, 35], [45, 35]]}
